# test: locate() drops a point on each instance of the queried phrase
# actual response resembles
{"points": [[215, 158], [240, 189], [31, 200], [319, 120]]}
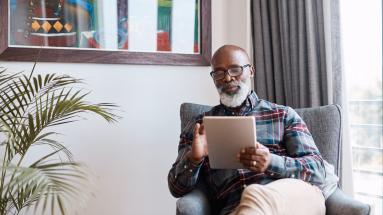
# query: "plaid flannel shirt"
{"points": [[293, 154]]}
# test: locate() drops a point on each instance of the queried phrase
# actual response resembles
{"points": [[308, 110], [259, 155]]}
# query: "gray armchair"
{"points": [[325, 126]]}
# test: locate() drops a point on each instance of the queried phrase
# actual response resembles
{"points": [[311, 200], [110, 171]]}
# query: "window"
{"points": [[362, 50]]}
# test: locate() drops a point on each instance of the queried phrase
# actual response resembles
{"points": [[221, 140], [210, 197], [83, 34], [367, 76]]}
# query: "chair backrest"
{"points": [[323, 122]]}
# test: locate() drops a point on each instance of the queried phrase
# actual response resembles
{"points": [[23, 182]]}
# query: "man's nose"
{"points": [[227, 78]]}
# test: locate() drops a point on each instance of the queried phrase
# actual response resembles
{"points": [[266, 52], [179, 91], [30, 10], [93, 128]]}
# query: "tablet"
{"points": [[226, 136]]}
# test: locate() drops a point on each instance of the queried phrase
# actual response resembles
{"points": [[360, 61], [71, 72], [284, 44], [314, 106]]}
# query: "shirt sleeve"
{"points": [[183, 175], [304, 160]]}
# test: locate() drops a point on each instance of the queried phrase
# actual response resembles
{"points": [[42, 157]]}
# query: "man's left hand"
{"points": [[255, 158]]}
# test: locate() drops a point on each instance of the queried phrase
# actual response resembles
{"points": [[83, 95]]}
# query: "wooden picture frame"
{"points": [[56, 54]]}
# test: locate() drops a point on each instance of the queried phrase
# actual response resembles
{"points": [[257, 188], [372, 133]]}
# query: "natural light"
{"points": [[362, 51]]}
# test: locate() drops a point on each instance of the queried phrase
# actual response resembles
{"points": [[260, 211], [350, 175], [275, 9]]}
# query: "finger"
{"points": [[248, 162], [244, 156], [262, 151], [247, 156], [253, 165], [248, 150], [206, 149], [202, 129], [255, 169], [242, 151], [196, 130], [261, 146], [259, 159]]}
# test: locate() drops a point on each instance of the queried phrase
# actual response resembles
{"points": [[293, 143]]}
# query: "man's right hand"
{"points": [[199, 145]]}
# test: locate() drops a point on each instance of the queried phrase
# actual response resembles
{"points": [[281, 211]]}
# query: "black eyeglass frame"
{"points": [[227, 71]]}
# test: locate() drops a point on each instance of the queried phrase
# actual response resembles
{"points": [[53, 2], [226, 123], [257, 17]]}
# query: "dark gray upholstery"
{"points": [[325, 125]]}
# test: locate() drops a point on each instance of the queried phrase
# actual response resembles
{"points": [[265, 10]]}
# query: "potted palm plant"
{"points": [[31, 106]]}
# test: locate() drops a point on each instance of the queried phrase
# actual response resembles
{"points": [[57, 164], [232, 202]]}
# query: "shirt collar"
{"points": [[252, 99]]}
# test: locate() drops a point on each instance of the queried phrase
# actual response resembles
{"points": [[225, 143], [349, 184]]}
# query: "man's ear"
{"points": [[252, 71]]}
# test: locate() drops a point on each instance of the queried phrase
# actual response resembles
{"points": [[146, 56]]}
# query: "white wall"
{"points": [[231, 23], [131, 159]]}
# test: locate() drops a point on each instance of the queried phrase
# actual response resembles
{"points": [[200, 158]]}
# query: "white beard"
{"points": [[238, 98]]}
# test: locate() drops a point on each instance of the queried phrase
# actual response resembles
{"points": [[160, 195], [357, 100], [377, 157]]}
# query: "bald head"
{"points": [[229, 55], [232, 73]]}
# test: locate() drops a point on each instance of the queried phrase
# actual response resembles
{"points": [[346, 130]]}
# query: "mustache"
{"points": [[230, 84]]}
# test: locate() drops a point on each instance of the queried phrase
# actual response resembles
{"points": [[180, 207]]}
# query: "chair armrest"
{"points": [[193, 203], [340, 203]]}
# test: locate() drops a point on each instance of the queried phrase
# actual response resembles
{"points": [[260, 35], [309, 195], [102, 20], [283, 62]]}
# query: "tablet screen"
{"points": [[226, 136]]}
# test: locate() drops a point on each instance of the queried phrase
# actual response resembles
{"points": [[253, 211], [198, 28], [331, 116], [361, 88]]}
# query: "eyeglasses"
{"points": [[233, 71]]}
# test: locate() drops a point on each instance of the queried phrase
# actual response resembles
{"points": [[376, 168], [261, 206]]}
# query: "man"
{"points": [[281, 175]]}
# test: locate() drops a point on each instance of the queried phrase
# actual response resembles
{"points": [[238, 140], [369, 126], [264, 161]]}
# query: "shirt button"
{"points": [[244, 186], [190, 170], [292, 176], [185, 166], [272, 174]]}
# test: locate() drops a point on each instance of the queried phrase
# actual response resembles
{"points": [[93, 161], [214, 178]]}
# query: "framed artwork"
{"points": [[162, 32]]}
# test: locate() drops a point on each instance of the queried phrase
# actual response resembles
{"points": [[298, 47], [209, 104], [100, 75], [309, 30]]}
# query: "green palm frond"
{"points": [[36, 186], [28, 107]]}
